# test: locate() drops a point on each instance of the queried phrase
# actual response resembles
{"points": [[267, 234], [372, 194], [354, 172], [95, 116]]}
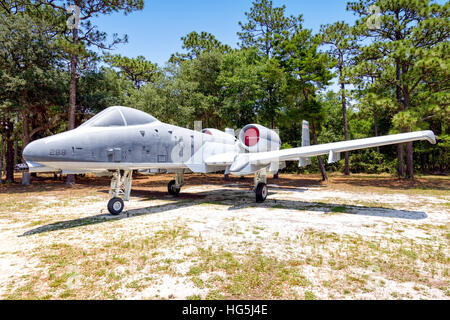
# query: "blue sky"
{"points": [[155, 32]]}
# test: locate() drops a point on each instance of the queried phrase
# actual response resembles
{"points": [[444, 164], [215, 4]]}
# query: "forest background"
{"points": [[388, 72]]}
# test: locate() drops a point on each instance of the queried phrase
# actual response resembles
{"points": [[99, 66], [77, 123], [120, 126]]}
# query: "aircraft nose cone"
{"points": [[34, 150]]}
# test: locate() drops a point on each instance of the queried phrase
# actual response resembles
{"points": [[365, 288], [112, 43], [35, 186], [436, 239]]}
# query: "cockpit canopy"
{"points": [[119, 117]]}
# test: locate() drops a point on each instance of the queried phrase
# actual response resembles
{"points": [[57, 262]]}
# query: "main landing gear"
{"points": [[120, 191], [115, 206], [174, 186], [261, 189], [121, 188]]}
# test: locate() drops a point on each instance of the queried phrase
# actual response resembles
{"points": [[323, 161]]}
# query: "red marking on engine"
{"points": [[251, 136]]}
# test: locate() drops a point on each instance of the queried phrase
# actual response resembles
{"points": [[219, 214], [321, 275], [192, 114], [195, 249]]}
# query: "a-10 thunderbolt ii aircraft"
{"points": [[119, 140]]}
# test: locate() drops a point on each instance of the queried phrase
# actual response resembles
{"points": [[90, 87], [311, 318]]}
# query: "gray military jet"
{"points": [[119, 140]]}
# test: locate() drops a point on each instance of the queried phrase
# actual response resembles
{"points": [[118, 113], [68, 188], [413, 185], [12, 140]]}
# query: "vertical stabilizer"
{"points": [[303, 162], [305, 134]]}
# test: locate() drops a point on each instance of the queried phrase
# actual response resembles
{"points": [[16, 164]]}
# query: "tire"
{"points": [[115, 206], [261, 192], [172, 189]]}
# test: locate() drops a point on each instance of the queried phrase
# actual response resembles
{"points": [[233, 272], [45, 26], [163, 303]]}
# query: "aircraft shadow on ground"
{"points": [[235, 200]]}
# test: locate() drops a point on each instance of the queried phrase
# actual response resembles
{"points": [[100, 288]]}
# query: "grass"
{"points": [[246, 277], [27, 203], [357, 264], [311, 265], [72, 272], [338, 209], [310, 296]]}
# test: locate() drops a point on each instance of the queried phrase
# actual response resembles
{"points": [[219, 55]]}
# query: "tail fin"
{"points": [[303, 162], [305, 134]]}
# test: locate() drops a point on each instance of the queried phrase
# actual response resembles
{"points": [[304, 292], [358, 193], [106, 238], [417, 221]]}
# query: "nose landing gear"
{"points": [[261, 189], [119, 191]]}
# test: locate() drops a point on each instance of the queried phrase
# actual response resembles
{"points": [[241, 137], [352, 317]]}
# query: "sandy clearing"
{"points": [[227, 218]]}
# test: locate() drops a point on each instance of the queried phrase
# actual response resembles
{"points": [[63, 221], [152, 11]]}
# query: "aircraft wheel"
{"points": [[261, 192], [173, 190], [115, 206]]}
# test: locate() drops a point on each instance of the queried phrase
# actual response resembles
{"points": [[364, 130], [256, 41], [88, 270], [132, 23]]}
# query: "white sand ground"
{"points": [[229, 220]]}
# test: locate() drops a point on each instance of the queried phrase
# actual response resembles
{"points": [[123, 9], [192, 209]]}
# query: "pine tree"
{"points": [[309, 71], [342, 47], [409, 50], [82, 35]]}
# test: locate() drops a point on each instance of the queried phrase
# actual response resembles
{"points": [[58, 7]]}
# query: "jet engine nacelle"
{"points": [[220, 136], [256, 138]]}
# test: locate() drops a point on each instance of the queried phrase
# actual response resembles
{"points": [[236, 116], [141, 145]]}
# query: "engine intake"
{"points": [[220, 136]]}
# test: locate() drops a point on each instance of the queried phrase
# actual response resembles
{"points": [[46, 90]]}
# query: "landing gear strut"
{"points": [[119, 191], [261, 189], [174, 186]]}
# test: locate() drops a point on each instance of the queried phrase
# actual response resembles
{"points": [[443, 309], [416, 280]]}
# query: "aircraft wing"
{"points": [[334, 150]]}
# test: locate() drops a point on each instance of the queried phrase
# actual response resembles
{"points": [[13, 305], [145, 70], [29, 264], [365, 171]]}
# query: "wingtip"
{"points": [[430, 136]]}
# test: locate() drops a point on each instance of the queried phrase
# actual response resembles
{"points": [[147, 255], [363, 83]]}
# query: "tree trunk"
{"points": [[26, 139], [5, 142], [272, 120], [409, 160], [73, 91], [9, 152], [319, 158], [400, 165], [73, 94], [344, 113], [375, 122], [409, 145], [4, 154], [2, 138], [16, 149]]}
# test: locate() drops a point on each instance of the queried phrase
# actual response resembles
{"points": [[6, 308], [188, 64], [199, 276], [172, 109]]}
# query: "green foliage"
{"points": [[308, 70], [198, 78], [195, 44], [240, 83], [264, 23], [168, 98], [406, 63], [99, 89], [393, 78], [27, 57], [32, 82], [138, 70]]}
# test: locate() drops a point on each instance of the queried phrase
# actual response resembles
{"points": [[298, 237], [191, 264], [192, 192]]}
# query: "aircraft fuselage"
{"points": [[155, 145]]}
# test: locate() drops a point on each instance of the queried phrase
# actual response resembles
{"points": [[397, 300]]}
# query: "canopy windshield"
{"points": [[119, 117]]}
